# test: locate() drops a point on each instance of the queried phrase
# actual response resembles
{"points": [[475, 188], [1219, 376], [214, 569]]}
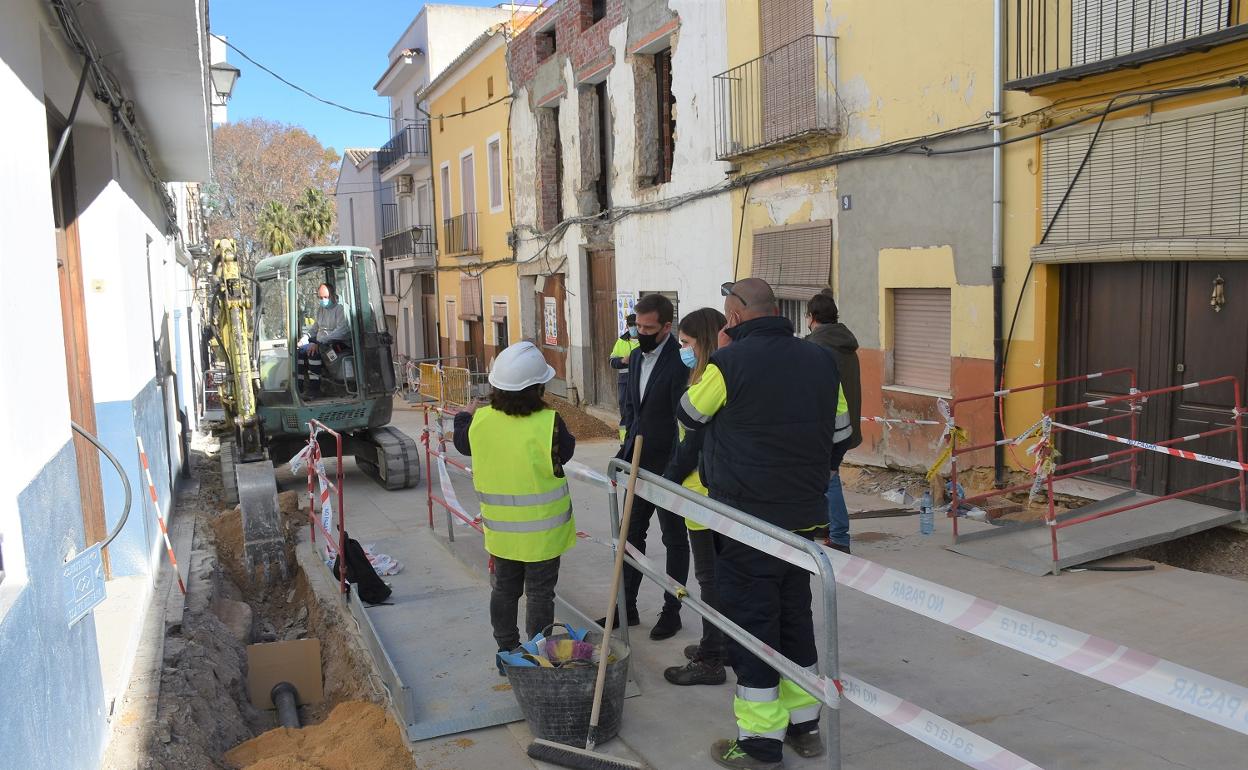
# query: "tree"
{"points": [[314, 216], [256, 162], [276, 228]]}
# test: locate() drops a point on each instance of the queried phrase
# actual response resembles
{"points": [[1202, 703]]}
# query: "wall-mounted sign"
{"points": [[550, 314], [624, 303]]}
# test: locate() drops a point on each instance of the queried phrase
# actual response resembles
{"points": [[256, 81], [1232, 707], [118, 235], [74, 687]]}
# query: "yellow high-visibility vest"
{"points": [[526, 510]]}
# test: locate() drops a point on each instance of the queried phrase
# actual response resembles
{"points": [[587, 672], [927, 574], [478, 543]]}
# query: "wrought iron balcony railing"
{"points": [[412, 140], [780, 96], [1051, 40], [412, 242], [459, 235]]}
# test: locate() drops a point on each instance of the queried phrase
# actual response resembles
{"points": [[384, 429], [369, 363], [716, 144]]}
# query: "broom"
{"points": [[587, 758]]}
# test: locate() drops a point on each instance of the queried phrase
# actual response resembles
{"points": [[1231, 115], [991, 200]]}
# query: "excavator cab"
{"points": [[356, 373]]}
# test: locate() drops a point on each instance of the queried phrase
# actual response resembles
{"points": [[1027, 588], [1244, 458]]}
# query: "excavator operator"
{"points": [[328, 336]]}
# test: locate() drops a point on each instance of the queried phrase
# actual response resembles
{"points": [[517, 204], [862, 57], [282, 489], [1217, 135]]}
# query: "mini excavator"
{"points": [[256, 324]]}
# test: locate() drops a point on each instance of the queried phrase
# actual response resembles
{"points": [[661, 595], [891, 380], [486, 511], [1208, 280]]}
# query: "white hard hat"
{"points": [[520, 366]]}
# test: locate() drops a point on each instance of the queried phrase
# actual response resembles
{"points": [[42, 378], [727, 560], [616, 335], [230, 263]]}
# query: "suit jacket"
{"points": [[654, 416]]}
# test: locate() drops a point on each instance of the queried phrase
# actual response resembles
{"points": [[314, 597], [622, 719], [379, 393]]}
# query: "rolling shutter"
{"points": [[795, 259], [470, 298], [921, 338]]}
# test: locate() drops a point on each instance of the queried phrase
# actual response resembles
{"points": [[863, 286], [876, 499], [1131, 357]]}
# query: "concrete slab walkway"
{"points": [[1050, 716]]}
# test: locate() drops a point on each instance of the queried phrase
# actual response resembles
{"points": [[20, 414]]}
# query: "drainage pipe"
{"points": [[286, 699], [125, 482], [998, 264]]}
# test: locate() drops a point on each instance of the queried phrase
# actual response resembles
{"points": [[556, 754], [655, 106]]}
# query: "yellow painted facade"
{"points": [[467, 87], [1033, 355]]}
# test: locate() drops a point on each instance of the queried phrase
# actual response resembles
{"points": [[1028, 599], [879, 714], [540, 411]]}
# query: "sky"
{"points": [[337, 49]]}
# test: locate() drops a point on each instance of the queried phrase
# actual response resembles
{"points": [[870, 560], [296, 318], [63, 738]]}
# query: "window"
{"points": [[489, 87], [547, 43], [597, 10], [666, 114], [494, 157], [920, 338], [398, 121], [498, 317], [467, 183], [603, 183], [550, 168], [445, 178], [795, 311]]}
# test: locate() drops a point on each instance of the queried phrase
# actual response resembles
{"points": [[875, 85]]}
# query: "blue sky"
{"points": [[334, 48]]}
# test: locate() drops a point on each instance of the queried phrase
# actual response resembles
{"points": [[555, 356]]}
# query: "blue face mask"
{"points": [[325, 301], [632, 332], [688, 357]]}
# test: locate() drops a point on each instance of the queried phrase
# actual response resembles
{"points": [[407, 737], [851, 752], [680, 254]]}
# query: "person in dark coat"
{"points": [[656, 380], [823, 319]]}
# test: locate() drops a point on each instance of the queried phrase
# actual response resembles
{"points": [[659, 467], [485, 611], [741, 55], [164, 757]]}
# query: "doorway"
{"points": [[604, 325], [1160, 319]]}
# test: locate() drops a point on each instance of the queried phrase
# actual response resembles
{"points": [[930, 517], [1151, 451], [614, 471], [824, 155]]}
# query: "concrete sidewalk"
{"points": [[1050, 716]]}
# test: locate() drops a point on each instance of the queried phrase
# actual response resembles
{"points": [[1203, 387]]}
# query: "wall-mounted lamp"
{"points": [[1218, 298], [223, 77], [410, 54]]}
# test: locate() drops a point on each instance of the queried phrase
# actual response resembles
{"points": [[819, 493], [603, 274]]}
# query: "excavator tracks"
{"points": [[395, 463]]}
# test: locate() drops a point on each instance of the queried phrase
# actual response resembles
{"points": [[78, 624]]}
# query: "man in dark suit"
{"points": [[656, 380]]}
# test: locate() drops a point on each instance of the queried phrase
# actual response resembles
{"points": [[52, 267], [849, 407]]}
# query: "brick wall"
{"points": [[583, 41]]}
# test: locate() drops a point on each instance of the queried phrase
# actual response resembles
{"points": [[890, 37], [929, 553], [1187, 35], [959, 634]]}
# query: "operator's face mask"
{"points": [[326, 301]]}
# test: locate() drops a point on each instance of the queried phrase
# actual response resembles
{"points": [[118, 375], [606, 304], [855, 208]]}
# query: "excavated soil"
{"points": [[582, 425], [204, 718], [1218, 551]]}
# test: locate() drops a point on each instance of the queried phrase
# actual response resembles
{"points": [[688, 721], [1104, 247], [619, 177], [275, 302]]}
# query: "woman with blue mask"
{"points": [[699, 338]]}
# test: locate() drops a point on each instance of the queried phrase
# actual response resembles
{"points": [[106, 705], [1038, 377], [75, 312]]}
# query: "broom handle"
{"points": [[616, 572]]}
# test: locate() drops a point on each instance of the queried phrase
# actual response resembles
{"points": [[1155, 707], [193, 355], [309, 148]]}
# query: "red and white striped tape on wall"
{"points": [[1161, 681], [1198, 457], [151, 489]]}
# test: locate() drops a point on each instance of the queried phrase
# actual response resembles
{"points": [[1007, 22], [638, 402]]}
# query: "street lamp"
{"points": [[223, 77]]}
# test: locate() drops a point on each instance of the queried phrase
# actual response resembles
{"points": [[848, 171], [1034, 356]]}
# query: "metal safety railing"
{"points": [[824, 686], [955, 435], [320, 510]]}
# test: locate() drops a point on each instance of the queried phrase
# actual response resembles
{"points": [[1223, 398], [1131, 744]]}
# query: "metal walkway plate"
{"points": [[1027, 548]]}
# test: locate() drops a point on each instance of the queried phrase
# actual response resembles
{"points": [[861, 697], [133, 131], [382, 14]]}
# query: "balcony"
{"points": [[410, 242], [781, 96], [411, 142], [1049, 41], [459, 235]]}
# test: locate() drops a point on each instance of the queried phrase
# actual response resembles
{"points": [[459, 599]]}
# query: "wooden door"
{"points": [[550, 308], [77, 350], [604, 329], [1209, 343], [476, 346]]}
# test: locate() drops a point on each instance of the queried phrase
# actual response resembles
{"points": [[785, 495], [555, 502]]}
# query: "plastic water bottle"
{"points": [[926, 524]]}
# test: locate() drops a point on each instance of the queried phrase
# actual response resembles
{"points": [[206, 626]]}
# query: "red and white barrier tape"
{"points": [[1198, 457], [900, 420], [1161, 681], [151, 488], [930, 729]]}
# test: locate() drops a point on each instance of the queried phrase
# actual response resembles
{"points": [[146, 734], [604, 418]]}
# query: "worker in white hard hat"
{"points": [[519, 446]]}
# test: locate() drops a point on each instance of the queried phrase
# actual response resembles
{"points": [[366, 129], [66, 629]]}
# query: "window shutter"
{"points": [[499, 312], [921, 338], [795, 259], [470, 298]]}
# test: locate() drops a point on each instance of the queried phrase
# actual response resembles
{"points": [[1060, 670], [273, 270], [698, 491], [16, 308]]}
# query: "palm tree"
{"points": [[276, 228], [315, 216]]}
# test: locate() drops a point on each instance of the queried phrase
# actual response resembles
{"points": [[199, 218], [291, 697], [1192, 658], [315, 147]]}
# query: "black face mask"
{"points": [[647, 342]]}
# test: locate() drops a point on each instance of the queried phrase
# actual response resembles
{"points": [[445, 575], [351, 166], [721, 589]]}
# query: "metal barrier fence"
{"points": [[319, 498]]}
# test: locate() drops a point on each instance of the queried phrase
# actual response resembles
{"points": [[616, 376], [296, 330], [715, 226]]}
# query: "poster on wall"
{"points": [[624, 303], [551, 316]]}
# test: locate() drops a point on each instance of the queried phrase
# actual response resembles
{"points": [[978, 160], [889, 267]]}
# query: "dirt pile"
{"points": [[357, 735], [1218, 551], [582, 425]]}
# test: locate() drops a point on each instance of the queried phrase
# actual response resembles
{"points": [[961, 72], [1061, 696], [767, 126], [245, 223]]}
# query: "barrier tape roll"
{"points": [[1161, 681], [1198, 457], [930, 729]]}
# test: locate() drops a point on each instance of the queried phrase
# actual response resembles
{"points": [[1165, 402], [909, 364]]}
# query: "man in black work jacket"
{"points": [[767, 402], [656, 381]]}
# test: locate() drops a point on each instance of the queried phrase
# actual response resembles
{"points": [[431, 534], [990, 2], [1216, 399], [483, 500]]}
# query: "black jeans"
{"points": [[702, 543], [536, 580], [675, 540]]}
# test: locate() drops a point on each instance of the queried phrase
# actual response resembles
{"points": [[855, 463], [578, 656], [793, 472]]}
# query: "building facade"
{"points": [[358, 200], [102, 294], [473, 192], [435, 37], [614, 148], [1126, 230]]}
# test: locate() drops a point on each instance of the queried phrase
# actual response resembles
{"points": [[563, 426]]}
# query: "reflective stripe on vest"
{"points": [[531, 525], [526, 509]]}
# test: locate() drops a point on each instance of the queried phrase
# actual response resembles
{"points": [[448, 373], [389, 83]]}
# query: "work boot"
{"points": [[668, 625], [728, 753], [806, 743], [842, 548], [634, 619], [693, 652], [696, 672]]}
